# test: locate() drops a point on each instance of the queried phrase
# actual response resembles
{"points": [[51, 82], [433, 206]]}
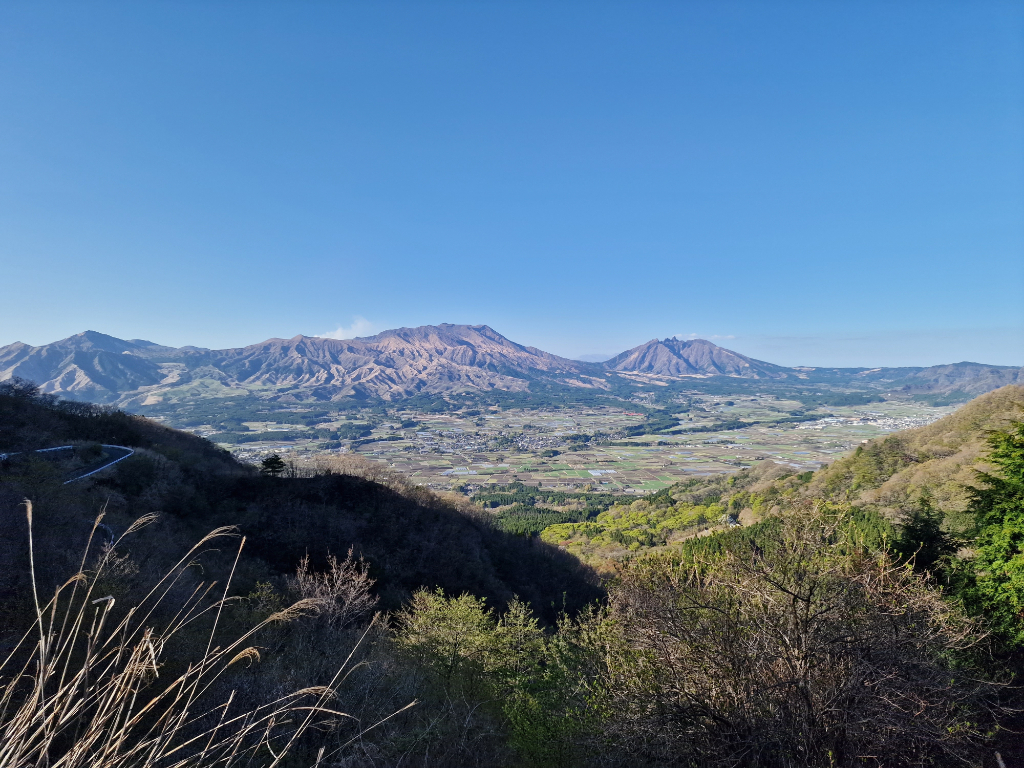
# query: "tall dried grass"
{"points": [[83, 687]]}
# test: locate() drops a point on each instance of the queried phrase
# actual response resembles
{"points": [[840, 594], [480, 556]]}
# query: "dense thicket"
{"points": [[995, 585], [797, 645]]}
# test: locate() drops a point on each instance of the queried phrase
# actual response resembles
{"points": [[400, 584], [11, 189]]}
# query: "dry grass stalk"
{"points": [[89, 693]]}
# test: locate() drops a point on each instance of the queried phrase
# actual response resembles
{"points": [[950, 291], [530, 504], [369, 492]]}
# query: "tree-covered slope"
{"points": [[936, 462]]}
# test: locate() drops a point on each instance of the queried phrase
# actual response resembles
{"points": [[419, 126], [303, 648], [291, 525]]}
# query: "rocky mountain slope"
{"points": [[87, 366], [675, 357], [407, 361], [396, 363]]}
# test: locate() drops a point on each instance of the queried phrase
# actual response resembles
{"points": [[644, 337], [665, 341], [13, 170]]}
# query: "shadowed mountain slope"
{"points": [[410, 536]]}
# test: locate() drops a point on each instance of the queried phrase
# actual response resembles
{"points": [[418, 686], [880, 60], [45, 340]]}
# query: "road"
{"points": [[115, 453]]}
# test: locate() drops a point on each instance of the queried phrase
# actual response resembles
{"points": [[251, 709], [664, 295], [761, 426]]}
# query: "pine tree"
{"points": [[923, 539], [998, 589], [273, 465]]}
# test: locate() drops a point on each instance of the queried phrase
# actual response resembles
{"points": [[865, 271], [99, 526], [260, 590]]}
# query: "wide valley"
{"points": [[578, 448]]}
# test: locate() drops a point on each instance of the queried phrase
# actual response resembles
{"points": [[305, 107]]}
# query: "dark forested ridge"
{"points": [[411, 537], [866, 614]]}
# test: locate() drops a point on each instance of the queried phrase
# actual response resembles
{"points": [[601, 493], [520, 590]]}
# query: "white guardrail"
{"points": [[131, 452]]}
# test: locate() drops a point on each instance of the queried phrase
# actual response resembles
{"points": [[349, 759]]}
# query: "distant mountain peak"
{"points": [[427, 359], [691, 357]]}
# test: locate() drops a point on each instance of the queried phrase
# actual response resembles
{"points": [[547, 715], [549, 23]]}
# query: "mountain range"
{"points": [[403, 362]]}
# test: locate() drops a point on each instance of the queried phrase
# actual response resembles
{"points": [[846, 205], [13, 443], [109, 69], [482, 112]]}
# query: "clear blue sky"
{"points": [[811, 183]]}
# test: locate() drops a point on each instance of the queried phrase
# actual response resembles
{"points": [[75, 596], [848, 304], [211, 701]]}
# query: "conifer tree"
{"points": [[998, 589], [273, 465]]}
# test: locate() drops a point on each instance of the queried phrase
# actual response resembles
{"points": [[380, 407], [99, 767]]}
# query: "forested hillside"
{"points": [[930, 468], [933, 465], [868, 614]]}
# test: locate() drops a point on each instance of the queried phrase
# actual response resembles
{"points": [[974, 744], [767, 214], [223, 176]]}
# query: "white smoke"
{"points": [[360, 327]]}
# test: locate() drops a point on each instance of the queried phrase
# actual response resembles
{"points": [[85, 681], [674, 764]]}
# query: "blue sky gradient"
{"points": [[809, 183]]}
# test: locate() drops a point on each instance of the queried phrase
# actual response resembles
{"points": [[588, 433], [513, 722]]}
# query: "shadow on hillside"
{"points": [[410, 543], [411, 539]]}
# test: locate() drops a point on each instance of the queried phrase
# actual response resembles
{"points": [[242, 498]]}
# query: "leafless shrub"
{"points": [[342, 593], [803, 650], [358, 466]]}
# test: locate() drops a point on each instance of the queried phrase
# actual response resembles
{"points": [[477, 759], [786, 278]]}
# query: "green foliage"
{"points": [[949, 398], [366, 441], [505, 661], [528, 495], [840, 398], [721, 426], [868, 467], [998, 503], [452, 637], [679, 407], [643, 523], [525, 520], [233, 424], [527, 510], [656, 423], [229, 413], [234, 438], [798, 418], [745, 538], [922, 540], [863, 529], [351, 431]]}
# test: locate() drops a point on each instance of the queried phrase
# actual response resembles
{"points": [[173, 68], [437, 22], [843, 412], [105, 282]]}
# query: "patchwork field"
{"points": [[587, 448]]}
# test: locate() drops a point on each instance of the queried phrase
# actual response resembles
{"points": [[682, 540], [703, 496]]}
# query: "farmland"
{"points": [[583, 448]]}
